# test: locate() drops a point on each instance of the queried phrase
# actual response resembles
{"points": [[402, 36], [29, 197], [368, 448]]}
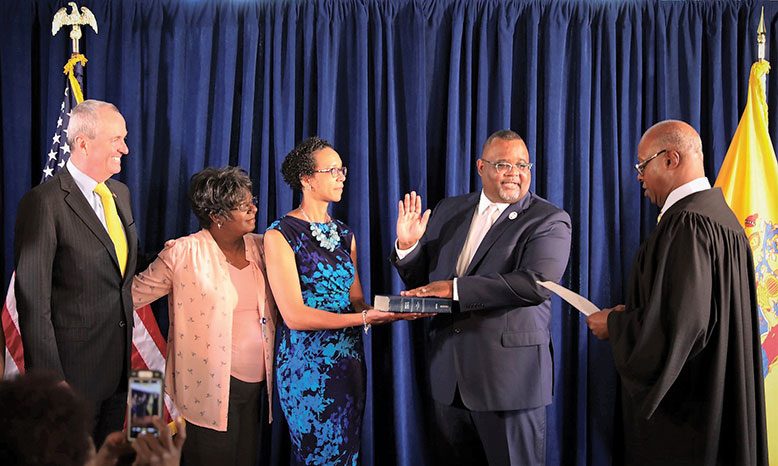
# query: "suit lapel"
{"points": [[76, 201], [454, 245], [503, 223]]}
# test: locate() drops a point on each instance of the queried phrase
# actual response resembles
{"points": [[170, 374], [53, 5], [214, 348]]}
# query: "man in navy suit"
{"points": [[490, 365]]}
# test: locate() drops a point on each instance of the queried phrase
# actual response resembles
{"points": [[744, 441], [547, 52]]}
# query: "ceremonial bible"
{"points": [[412, 304]]}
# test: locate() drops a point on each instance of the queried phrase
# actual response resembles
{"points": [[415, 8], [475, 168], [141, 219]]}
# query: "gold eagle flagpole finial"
{"points": [[75, 20]]}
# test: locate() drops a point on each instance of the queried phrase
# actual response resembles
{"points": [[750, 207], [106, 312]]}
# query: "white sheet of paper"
{"points": [[577, 301]]}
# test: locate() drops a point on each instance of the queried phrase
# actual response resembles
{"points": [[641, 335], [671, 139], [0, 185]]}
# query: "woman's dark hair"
{"points": [[42, 422], [217, 191], [300, 162]]}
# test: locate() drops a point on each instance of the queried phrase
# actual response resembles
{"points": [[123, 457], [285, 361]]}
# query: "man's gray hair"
{"points": [[83, 119]]}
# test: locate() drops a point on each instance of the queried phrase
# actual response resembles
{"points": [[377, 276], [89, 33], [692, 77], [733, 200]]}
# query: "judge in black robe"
{"points": [[686, 343]]}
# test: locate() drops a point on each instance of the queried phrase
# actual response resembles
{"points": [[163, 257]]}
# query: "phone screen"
{"points": [[145, 401]]}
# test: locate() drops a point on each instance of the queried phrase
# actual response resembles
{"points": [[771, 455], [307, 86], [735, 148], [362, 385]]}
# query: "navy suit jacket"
{"points": [[75, 308], [496, 345]]}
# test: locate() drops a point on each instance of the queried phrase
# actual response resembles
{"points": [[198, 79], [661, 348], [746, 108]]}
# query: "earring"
{"points": [[219, 224]]}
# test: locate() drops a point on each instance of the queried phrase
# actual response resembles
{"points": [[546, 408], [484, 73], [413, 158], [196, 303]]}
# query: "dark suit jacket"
{"points": [[75, 308], [496, 345]]}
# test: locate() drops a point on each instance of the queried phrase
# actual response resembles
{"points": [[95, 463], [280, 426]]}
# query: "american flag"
{"points": [[148, 345], [60, 150]]}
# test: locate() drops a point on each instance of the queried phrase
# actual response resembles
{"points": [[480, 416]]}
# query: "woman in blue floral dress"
{"points": [[311, 265]]}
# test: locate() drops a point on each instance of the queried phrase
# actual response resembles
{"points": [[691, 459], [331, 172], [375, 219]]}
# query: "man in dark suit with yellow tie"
{"points": [[75, 249], [490, 366]]}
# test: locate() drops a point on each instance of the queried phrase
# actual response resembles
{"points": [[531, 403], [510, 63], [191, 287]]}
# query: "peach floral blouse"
{"points": [[201, 299]]}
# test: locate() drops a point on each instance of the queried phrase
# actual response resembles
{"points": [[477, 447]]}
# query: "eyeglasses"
{"points": [[642, 165], [334, 171], [505, 167], [246, 206]]}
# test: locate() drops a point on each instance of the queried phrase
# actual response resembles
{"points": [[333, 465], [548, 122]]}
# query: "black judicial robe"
{"points": [[687, 346]]}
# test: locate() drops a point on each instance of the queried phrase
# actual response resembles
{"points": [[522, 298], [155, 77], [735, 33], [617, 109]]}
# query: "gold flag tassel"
{"points": [[68, 70]]}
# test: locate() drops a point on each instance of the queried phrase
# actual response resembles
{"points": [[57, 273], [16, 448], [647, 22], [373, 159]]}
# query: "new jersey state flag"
{"points": [[749, 179]]}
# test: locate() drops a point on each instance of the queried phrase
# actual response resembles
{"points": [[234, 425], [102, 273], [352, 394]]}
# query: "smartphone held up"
{"points": [[144, 401]]}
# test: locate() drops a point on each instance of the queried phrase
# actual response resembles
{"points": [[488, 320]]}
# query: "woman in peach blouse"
{"points": [[222, 321]]}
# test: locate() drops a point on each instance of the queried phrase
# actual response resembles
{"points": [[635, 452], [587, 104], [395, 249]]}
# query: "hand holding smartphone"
{"points": [[145, 393]]}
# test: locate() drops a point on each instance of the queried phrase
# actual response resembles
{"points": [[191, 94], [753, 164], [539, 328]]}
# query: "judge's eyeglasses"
{"points": [[642, 165]]}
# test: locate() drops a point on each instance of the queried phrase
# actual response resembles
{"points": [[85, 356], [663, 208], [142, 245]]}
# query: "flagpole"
{"points": [[761, 40], [760, 37], [75, 20]]}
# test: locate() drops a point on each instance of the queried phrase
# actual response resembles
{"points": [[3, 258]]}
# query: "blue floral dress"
{"points": [[320, 374]]}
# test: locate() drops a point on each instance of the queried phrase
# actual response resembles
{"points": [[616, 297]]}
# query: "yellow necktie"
{"points": [[115, 230]]}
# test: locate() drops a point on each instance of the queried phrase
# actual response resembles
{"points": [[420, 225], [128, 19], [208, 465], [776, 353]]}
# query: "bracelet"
{"points": [[365, 325]]}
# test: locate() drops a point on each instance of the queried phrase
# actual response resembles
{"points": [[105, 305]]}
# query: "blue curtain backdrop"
{"points": [[407, 91]]}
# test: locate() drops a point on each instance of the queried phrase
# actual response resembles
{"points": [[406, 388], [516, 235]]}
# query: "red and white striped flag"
{"points": [[149, 349], [14, 353]]}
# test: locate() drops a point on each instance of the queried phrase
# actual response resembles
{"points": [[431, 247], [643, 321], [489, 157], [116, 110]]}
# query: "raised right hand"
{"points": [[411, 222]]}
